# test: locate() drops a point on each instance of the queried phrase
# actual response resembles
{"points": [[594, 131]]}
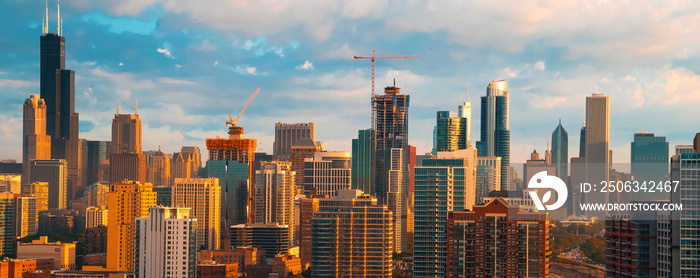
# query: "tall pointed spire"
{"points": [[467, 92], [117, 106], [45, 26], [548, 139], [58, 20], [136, 108]]}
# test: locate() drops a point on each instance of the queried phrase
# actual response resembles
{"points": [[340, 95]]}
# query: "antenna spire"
{"points": [[58, 20], [136, 108], [117, 106], [394, 82], [548, 139], [467, 92], [45, 25]]}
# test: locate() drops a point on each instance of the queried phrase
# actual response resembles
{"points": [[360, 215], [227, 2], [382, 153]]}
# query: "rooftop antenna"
{"points": [[136, 108], [548, 139], [394, 82], [117, 106], [45, 25], [58, 28], [467, 92]]}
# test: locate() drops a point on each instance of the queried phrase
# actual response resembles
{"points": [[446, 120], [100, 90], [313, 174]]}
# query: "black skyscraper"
{"points": [[58, 91]]}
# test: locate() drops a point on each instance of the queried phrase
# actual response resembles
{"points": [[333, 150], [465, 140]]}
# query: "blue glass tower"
{"points": [[362, 174], [650, 160], [233, 179], [495, 132]]}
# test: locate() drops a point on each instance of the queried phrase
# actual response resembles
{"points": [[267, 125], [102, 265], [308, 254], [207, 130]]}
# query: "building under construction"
{"points": [[231, 160]]}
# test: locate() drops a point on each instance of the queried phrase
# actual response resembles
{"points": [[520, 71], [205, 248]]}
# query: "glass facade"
{"points": [[233, 179]]}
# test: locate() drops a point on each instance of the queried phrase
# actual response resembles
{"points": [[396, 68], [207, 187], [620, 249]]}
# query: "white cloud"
{"points": [[216, 62], [306, 66], [539, 65], [245, 69], [121, 64], [165, 52]]}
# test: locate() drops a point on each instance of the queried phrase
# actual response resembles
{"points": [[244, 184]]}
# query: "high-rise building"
{"points": [[650, 161], [497, 240], [127, 166], [391, 132], [204, 197], [97, 152], [631, 245], [96, 194], [164, 195], [326, 172], [274, 194], [488, 176], [363, 165], [495, 132], [597, 145], [352, 236], [54, 172], [40, 190], [231, 160], [309, 207], [57, 89], [443, 184], [127, 201], [272, 238], [395, 198], [165, 243], [11, 183], [95, 217], [7, 217], [126, 133], [453, 130], [195, 157], [582, 141], [302, 149], [677, 229], [411, 168], [36, 143], [286, 135], [26, 216], [560, 160], [182, 166], [158, 169]]}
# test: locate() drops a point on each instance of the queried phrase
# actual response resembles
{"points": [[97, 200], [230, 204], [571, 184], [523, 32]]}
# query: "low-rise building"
{"points": [[63, 254]]}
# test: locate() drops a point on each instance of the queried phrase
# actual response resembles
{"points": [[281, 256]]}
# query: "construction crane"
{"points": [[372, 58], [234, 130]]}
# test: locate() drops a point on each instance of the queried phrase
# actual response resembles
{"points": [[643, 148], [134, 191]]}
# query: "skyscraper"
{"points": [[274, 194], [126, 133], [57, 89], [7, 215], [395, 197], [495, 132], [26, 216], [272, 238], [352, 236], [650, 161], [308, 207], [165, 243], [288, 134], [363, 166], [40, 190], [560, 160], [204, 197], [597, 144], [158, 169], [127, 201], [127, 166], [54, 172], [196, 158], [453, 130], [443, 184], [391, 132], [326, 172], [302, 149], [36, 144], [488, 176], [582, 141], [95, 217], [97, 152], [231, 160]]}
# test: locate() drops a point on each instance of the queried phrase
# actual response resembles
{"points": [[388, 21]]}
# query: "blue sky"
{"points": [[189, 64]]}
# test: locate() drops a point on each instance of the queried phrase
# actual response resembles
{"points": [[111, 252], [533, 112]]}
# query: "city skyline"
{"points": [[221, 65]]}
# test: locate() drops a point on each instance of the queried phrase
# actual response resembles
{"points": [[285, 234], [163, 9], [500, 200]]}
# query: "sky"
{"points": [[189, 64]]}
